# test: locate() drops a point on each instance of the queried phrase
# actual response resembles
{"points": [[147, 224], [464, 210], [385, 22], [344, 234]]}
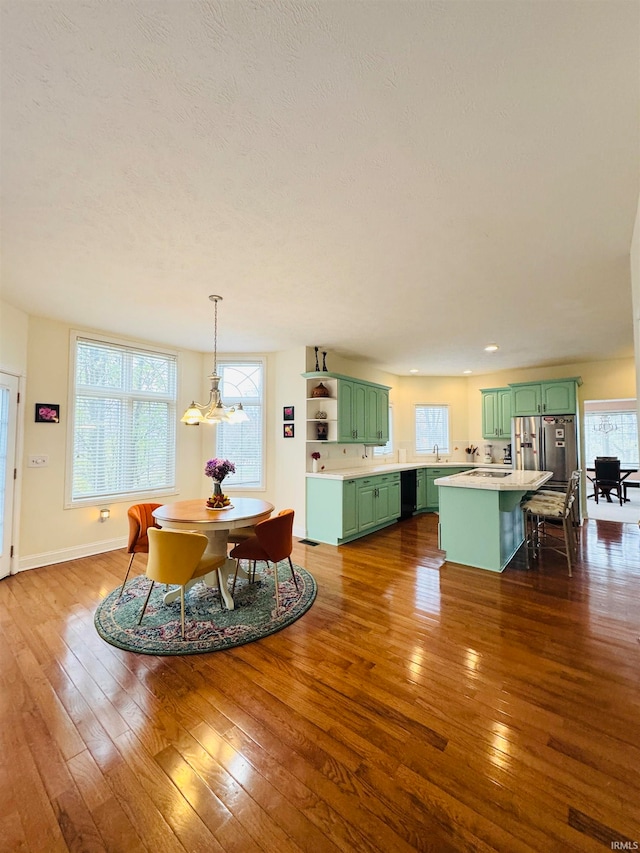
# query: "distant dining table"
{"points": [[625, 473], [215, 524]]}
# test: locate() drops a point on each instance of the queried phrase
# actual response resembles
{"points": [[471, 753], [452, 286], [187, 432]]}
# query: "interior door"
{"points": [[8, 432]]}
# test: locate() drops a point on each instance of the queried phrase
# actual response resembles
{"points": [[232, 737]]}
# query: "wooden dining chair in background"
{"points": [[607, 478], [272, 541], [140, 520]]}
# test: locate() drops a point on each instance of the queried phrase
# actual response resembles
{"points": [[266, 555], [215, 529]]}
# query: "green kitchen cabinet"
{"points": [[496, 412], [377, 415], [383, 414], [432, 495], [388, 498], [357, 412], [554, 397], [366, 503], [349, 508], [341, 510], [421, 489], [432, 489], [351, 411], [378, 500]]}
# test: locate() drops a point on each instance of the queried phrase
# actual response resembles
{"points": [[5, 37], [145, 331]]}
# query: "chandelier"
{"points": [[214, 411], [606, 425]]}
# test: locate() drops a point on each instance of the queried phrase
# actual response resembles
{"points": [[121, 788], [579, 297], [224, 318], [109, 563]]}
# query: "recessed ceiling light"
{"points": [[467, 371], [414, 370], [491, 348]]}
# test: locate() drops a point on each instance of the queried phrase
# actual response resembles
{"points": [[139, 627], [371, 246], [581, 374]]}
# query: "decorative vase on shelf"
{"points": [[320, 390], [314, 466]]}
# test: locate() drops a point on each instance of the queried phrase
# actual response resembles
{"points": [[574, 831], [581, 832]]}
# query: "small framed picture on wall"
{"points": [[287, 413], [47, 413], [287, 430]]}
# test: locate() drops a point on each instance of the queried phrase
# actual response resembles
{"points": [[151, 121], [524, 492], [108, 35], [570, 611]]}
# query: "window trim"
{"points": [[446, 406], [117, 497], [245, 359]]}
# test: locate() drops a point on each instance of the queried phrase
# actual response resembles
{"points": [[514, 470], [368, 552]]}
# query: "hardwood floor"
{"points": [[416, 706]]}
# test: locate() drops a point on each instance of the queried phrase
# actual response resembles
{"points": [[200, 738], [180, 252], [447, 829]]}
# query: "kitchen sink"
{"points": [[492, 474]]}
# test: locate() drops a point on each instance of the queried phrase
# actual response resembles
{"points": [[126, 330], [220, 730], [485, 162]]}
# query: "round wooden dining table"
{"points": [[195, 515]]}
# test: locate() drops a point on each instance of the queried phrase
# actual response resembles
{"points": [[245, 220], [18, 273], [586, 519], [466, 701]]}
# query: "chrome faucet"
{"points": [[436, 450]]}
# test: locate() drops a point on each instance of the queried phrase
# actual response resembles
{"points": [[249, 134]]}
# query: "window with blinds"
{"points": [[124, 421], [243, 382], [611, 432], [432, 427]]}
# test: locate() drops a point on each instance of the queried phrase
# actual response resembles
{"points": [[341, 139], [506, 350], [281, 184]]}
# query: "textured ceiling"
{"points": [[399, 181]]}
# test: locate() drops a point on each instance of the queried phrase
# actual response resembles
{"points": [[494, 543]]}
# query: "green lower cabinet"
{"points": [[341, 510], [433, 500], [421, 489], [432, 489], [349, 508], [366, 504]]}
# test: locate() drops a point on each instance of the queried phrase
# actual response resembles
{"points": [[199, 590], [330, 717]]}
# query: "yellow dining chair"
{"points": [[176, 558]]}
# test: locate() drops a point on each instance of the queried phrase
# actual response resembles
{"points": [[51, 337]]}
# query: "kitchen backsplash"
{"points": [[336, 457]]}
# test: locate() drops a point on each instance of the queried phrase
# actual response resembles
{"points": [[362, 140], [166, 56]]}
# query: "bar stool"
{"points": [[553, 506]]}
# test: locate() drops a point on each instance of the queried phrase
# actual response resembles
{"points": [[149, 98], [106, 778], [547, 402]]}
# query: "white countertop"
{"points": [[393, 467], [515, 481]]}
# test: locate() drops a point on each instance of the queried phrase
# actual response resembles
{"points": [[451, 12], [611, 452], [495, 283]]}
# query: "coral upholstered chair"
{"points": [[175, 557], [140, 520], [272, 541]]}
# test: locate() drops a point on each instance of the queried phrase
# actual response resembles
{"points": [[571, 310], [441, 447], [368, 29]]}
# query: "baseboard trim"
{"points": [[50, 558]]}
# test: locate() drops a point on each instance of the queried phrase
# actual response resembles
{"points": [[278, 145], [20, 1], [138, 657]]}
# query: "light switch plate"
{"points": [[37, 461]]}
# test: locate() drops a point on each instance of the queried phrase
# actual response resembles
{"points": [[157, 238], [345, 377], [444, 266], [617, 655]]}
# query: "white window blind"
{"points": [[432, 427], [243, 382], [124, 420]]}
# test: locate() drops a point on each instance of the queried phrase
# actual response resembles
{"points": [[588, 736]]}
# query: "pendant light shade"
{"points": [[214, 411]]}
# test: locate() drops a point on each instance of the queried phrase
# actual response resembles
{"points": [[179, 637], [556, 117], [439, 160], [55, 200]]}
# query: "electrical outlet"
{"points": [[37, 461]]}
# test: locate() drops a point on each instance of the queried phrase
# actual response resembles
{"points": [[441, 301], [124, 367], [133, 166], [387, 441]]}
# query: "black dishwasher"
{"points": [[407, 493]]}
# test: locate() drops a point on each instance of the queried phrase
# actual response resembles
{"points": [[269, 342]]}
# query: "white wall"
{"points": [[635, 294], [14, 334], [49, 532]]}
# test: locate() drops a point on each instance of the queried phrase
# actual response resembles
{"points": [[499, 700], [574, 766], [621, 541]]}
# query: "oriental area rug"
{"points": [[208, 627]]}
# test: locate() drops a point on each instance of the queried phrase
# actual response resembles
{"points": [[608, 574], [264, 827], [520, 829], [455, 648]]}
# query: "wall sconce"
{"points": [[105, 514]]}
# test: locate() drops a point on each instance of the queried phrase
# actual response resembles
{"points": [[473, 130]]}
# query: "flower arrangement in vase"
{"points": [[218, 469], [314, 461]]}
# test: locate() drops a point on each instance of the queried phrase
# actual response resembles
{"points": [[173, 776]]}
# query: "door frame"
{"points": [[12, 520]]}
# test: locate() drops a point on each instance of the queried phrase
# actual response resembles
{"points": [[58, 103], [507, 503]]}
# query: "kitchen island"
{"points": [[481, 522]]}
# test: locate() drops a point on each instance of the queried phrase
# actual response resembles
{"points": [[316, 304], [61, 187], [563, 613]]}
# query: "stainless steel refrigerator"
{"points": [[546, 443]]}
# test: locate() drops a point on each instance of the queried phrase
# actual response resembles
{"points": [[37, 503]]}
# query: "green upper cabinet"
{"points": [[351, 411], [496, 413], [361, 409], [554, 397], [345, 410], [376, 425], [383, 414]]}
